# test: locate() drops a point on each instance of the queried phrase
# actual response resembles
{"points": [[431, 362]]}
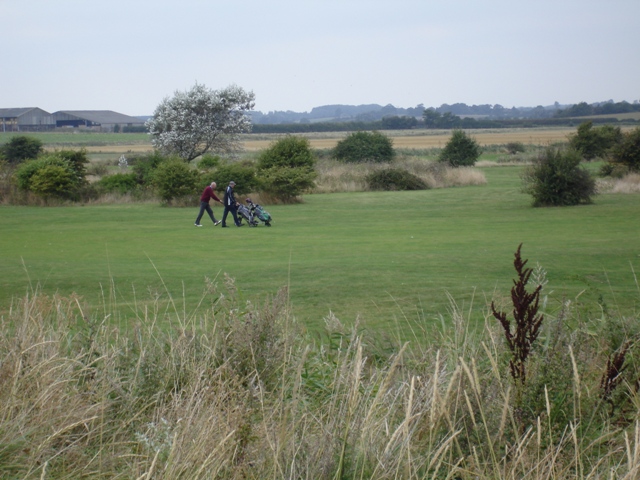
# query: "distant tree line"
{"points": [[583, 109]]}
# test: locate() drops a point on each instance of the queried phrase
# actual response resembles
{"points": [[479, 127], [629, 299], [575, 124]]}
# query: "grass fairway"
{"points": [[381, 256]]}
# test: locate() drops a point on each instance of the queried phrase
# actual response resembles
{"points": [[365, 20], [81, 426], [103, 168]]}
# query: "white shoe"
{"points": [[215, 224], [197, 225]]}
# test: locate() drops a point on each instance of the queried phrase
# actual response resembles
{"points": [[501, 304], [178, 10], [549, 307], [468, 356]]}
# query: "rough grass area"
{"points": [[630, 183], [237, 390]]}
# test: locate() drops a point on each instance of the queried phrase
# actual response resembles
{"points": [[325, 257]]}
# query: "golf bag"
{"points": [[259, 213], [245, 213]]}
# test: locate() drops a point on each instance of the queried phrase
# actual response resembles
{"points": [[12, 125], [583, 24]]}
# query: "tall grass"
{"points": [[334, 176], [236, 390]]}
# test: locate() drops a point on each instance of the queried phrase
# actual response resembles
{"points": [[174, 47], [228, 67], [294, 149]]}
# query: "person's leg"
{"points": [[203, 205], [224, 216], [210, 212], [234, 212]]}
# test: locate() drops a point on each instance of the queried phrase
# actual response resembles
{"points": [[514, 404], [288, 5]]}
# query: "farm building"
{"points": [[25, 119], [102, 120]]}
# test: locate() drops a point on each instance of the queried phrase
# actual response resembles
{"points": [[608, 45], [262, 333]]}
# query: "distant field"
{"points": [[102, 144]]}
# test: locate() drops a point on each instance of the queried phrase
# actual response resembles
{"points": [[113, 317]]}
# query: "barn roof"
{"points": [[100, 116], [17, 112]]}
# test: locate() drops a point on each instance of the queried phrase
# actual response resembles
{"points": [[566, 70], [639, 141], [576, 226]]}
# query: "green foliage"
{"points": [[144, 167], [118, 183], [394, 179], [593, 142], [208, 162], [21, 148], [460, 151], [243, 174], [557, 179], [627, 152], [53, 180], [289, 151], [286, 169], [515, 147], [32, 176], [175, 179], [287, 183], [364, 147]]}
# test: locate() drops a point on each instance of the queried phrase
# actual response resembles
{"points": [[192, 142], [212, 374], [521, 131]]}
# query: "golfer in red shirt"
{"points": [[207, 195]]}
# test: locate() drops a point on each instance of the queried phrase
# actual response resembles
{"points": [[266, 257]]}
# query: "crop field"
{"points": [[119, 143]]}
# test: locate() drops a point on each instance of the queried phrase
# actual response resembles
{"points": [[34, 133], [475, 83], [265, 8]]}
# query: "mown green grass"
{"points": [[386, 258]]}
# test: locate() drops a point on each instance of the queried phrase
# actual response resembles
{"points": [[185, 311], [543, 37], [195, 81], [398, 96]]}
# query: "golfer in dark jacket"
{"points": [[230, 205], [207, 195]]}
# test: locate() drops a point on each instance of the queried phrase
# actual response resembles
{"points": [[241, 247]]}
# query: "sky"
{"points": [[127, 56]]}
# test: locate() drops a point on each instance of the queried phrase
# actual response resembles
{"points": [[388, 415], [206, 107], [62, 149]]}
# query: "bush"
{"points": [[595, 142], [515, 147], [364, 147], [242, 173], [286, 169], [144, 167], [118, 183], [395, 179], [627, 152], [175, 179], [289, 151], [208, 162], [21, 148], [556, 179], [31, 176], [53, 180], [287, 183], [460, 151]]}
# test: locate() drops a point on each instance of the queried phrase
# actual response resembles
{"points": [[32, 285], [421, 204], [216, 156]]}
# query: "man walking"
{"points": [[230, 205], [207, 195]]}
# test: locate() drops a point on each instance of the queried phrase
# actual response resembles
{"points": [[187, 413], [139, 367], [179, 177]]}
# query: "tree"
{"points": [[286, 168], [556, 179], [200, 120], [21, 148], [627, 152], [460, 151], [593, 142], [364, 147]]}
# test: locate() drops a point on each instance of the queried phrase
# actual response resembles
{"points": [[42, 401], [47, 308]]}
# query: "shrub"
{"points": [[118, 183], [460, 151], [208, 162], [515, 147], [31, 176], [556, 179], [287, 183], [289, 151], [243, 174], [286, 169], [627, 151], [175, 179], [595, 142], [364, 147], [395, 179], [53, 180], [144, 167], [21, 148]]}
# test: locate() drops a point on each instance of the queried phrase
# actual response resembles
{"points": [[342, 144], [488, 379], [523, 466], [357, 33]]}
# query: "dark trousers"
{"points": [[234, 211], [204, 207]]}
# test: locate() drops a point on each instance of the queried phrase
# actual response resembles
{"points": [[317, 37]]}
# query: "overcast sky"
{"points": [[294, 55]]}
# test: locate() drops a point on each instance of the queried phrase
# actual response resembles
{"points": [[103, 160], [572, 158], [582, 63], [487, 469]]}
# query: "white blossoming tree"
{"points": [[201, 120]]}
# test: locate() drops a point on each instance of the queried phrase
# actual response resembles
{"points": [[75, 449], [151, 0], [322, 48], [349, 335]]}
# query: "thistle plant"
{"points": [[527, 322]]}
